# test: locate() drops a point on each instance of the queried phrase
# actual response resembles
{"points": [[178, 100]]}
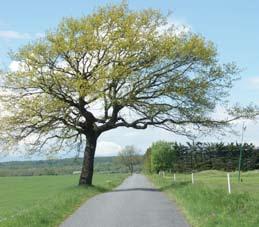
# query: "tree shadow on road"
{"points": [[163, 188], [136, 189], [173, 185]]}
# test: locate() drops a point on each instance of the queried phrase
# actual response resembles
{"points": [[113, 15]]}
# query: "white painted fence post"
{"points": [[229, 186], [174, 177], [192, 179]]}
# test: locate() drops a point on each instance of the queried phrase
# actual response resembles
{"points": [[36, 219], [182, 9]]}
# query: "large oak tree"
{"points": [[130, 65]]}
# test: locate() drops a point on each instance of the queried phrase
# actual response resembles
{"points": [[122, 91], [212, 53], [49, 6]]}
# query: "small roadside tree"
{"points": [[162, 156], [129, 157], [118, 61], [147, 161]]}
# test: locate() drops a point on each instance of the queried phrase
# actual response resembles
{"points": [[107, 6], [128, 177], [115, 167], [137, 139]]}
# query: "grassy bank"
{"points": [[207, 203], [46, 200]]}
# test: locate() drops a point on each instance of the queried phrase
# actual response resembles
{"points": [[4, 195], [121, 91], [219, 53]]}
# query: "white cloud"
{"points": [[106, 148], [9, 34], [14, 35], [179, 27], [14, 66], [39, 35], [254, 82]]}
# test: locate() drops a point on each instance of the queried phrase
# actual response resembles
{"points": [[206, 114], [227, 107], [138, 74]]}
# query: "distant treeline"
{"points": [[200, 156], [58, 167]]}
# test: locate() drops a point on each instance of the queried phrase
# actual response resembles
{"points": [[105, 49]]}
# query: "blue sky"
{"points": [[232, 25]]}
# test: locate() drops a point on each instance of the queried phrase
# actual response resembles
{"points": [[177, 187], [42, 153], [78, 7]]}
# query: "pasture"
{"points": [[47, 200], [207, 202]]}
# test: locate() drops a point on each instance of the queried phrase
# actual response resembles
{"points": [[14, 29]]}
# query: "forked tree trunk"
{"points": [[88, 162]]}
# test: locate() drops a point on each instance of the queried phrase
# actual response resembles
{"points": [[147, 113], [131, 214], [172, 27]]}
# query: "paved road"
{"points": [[135, 203]]}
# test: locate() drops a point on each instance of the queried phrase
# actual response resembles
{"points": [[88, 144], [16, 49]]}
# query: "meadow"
{"points": [[47, 200], [207, 202]]}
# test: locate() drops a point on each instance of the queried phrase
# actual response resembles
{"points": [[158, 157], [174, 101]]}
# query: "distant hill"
{"points": [[56, 167]]}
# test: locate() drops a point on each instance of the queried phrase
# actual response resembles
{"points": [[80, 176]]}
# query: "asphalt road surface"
{"points": [[135, 203]]}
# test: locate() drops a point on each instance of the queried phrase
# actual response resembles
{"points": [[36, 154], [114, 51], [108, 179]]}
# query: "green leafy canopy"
{"points": [[120, 60]]}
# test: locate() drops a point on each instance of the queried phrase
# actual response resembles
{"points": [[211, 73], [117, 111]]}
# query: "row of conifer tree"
{"points": [[200, 156]]}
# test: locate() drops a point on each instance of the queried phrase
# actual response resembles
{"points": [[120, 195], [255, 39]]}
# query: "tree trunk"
{"points": [[88, 162], [131, 169]]}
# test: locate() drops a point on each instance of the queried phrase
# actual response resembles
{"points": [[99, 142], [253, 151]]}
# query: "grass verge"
{"points": [[47, 200], [206, 202]]}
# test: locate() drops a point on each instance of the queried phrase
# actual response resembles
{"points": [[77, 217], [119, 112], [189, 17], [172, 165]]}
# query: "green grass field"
{"points": [[46, 200], [207, 202]]}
